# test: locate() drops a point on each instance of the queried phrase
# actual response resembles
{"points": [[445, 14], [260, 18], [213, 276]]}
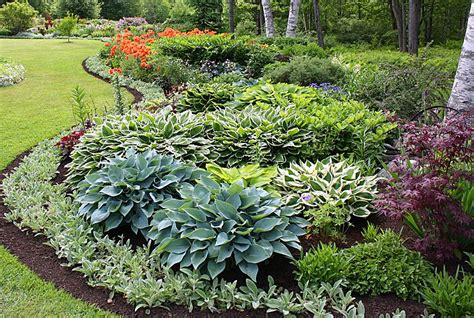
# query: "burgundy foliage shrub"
{"points": [[67, 143], [435, 160]]}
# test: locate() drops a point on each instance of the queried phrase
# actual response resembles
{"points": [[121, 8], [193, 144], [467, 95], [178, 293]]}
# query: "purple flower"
{"points": [[306, 197], [131, 21]]}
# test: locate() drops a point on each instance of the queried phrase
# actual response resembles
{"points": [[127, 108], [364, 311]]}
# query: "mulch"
{"points": [[137, 96]]}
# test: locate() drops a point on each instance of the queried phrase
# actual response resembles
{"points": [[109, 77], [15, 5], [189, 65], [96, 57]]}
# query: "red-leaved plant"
{"points": [[67, 143], [425, 184]]}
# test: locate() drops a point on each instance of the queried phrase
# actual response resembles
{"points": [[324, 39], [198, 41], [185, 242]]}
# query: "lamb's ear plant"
{"points": [[214, 226]]}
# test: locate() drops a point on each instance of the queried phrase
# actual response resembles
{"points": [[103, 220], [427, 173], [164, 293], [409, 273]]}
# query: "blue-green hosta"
{"points": [[309, 186], [129, 189], [213, 226]]}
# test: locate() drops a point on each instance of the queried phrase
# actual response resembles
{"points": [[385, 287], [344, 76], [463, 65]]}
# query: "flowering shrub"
{"points": [[131, 21], [425, 180], [11, 73], [126, 46], [68, 142], [328, 88]]}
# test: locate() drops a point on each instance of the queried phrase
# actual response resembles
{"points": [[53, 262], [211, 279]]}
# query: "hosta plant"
{"points": [[181, 136], [207, 97], [213, 226], [129, 189], [250, 175], [311, 187]]}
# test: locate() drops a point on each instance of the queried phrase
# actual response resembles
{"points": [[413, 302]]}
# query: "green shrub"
{"points": [[311, 49], [333, 187], [450, 296], [127, 190], [216, 225], [324, 264], [375, 268], [17, 16], [86, 9], [207, 97], [67, 25], [156, 11], [181, 136], [251, 175], [303, 70]]}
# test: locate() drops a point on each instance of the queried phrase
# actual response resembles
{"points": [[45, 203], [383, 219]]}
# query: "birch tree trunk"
{"points": [[268, 15], [293, 18], [414, 25], [317, 21], [462, 96]]}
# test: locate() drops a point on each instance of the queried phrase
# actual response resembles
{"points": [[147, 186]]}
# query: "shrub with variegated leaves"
{"points": [[129, 189], [214, 226], [311, 186]]}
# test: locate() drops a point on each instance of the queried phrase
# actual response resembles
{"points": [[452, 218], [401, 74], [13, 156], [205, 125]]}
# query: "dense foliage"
{"points": [[380, 266], [429, 182], [17, 16]]}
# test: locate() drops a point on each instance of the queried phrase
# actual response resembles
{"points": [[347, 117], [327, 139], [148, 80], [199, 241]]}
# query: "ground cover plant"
{"points": [[11, 73]]}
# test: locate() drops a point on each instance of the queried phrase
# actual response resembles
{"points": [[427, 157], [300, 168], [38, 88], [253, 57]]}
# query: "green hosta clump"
{"points": [[251, 175], [311, 187], [257, 135], [181, 135], [213, 226], [207, 97], [128, 190]]}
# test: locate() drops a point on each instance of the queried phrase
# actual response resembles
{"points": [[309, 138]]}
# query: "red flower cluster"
{"points": [[129, 46], [67, 143], [170, 32], [115, 70]]}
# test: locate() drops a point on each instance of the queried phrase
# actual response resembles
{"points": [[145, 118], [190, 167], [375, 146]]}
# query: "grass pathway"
{"points": [[32, 111]]}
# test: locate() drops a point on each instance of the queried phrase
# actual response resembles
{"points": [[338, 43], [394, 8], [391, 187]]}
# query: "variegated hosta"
{"points": [[182, 136], [307, 186], [127, 190], [215, 225]]}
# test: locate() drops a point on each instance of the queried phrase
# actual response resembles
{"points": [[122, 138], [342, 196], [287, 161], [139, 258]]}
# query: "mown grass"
{"points": [[31, 111]]}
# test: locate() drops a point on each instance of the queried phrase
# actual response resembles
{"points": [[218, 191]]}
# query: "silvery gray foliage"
{"points": [[11, 73]]}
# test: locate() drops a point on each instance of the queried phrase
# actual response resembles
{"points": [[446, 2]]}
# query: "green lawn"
{"points": [[34, 110], [39, 107]]}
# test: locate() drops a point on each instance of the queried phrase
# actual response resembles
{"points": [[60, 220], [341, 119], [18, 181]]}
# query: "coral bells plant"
{"points": [[68, 142], [429, 183]]}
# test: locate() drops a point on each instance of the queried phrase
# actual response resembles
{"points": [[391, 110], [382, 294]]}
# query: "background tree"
{"points": [[208, 14], [67, 26], [231, 16], [414, 25], [87, 9], [155, 11], [462, 96], [293, 18], [117, 9], [268, 15], [317, 22]]}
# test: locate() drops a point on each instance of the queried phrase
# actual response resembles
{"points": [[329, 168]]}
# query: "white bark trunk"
{"points": [[462, 96], [268, 15], [293, 18]]}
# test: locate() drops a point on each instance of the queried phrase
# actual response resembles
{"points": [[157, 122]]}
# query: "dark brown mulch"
{"points": [[32, 251], [137, 96]]}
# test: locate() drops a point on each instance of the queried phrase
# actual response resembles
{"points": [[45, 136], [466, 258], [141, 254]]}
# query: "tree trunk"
{"points": [[317, 22], [293, 18], [268, 15], [232, 16], [257, 17], [399, 14], [394, 21], [414, 26], [429, 22], [462, 96]]}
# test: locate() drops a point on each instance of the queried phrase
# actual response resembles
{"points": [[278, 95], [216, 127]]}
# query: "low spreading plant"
{"points": [[427, 188], [128, 190], [378, 267], [336, 189], [11, 73], [450, 296], [213, 226]]}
